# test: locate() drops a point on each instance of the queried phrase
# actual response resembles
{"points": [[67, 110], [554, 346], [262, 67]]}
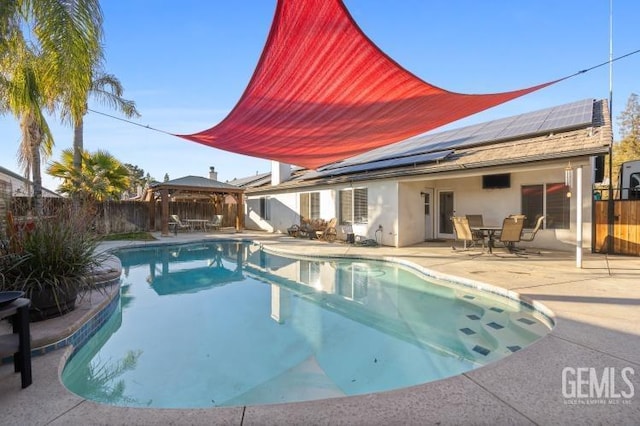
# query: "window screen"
{"points": [[354, 206]]}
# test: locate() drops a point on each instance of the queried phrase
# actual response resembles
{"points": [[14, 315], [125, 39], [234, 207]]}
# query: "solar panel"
{"points": [[569, 116], [382, 164], [436, 146], [572, 115]]}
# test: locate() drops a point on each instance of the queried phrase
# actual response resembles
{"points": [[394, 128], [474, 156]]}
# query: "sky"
{"points": [[186, 67]]}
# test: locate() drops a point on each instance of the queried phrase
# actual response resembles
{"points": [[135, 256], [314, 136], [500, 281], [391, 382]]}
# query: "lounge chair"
{"points": [[463, 233], [216, 223], [511, 233], [177, 224]]}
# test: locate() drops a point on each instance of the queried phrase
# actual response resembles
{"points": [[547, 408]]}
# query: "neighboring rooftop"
{"points": [[195, 182]]}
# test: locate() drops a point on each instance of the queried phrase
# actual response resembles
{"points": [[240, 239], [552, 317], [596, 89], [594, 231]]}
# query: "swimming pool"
{"points": [[225, 324]]}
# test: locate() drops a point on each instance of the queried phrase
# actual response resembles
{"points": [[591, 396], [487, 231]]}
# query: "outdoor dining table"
{"points": [[197, 223], [490, 232]]}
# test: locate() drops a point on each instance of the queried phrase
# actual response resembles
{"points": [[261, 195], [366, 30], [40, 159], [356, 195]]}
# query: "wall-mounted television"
{"points": [[502, 180]]}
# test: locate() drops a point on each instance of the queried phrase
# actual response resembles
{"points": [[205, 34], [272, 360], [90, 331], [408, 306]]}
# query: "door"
{"points": [[445, 212], [427, 196]]}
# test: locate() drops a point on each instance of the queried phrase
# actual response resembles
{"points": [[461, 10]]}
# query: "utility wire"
{"points": [[130, 122], [556, 81], [600, 65]]}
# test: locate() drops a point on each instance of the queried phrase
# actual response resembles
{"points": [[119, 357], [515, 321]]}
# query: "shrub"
{"points": [[53, 255]]}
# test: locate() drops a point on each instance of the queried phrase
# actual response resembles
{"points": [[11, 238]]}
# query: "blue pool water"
{"points": [[226, 324]]}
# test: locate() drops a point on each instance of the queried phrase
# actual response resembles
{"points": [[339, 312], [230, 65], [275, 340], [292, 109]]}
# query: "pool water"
{"points": [[228, 324]]}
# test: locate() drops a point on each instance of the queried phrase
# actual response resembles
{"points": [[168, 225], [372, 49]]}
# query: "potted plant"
{"points": [[52, 262]]}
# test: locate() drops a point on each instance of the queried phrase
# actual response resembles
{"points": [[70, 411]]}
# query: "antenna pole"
{"points": [[610, 206]]}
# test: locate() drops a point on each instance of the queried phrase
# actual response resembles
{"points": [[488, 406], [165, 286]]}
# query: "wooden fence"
{"points": [[113, 217], [625, 237]]}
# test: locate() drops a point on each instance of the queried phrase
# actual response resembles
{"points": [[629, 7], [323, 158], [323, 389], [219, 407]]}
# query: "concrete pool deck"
{"points": [[597, 314]]}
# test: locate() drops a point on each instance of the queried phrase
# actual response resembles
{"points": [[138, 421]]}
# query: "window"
{"points": [[354, 204], [310, 205], [634, 186], [264, 208], [549, 200]]}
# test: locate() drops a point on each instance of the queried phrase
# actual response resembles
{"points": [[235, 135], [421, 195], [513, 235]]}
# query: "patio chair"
{"points": [[178, 224], [216, 223], [329, 233], [511, 233], [463, 232], [529, 236], [476, 221]]}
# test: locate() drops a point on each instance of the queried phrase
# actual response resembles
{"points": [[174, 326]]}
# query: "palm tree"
{"points": [[22, 96], [102, 177], [108, 90], [48, 66]]}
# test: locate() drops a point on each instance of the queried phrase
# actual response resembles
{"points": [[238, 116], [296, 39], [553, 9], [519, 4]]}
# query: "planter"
{"points": [[47, 303]]}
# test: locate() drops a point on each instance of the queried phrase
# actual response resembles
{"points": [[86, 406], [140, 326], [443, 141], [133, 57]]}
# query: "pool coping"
{"points": [[498, 393]]}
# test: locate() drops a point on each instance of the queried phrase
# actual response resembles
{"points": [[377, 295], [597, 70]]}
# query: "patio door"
{"points": [[427, 195], [445, 212]]}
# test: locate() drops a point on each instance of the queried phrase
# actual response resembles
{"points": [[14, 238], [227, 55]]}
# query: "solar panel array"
{"points": [[564, 117], [380, 164]]}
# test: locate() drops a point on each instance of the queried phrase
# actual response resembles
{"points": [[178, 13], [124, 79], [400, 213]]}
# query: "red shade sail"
{"points": [[323, 92]]}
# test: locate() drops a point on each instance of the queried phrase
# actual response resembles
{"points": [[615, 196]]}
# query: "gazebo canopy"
{"points": [[322, 92], [192, 187]]}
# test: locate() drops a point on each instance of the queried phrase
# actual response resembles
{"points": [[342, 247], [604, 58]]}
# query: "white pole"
{"points": [[579, 205]]}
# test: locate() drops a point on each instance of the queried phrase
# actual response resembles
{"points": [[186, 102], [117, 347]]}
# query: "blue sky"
{"points": [[186, 64]]}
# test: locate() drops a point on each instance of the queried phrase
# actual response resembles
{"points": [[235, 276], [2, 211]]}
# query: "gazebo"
{"points": [[193, 188]]}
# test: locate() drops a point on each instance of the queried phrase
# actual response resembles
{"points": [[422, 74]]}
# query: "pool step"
{"points": [[497, 332]]}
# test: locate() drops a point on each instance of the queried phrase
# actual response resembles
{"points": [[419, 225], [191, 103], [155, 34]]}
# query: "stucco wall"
{"points": [[493, 204], [398, 206]]}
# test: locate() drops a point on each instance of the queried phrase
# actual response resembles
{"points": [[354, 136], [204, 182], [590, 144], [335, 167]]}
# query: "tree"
{"points": [[107, 89], [629, 122], [49, 65], [21, 95], [102, 177], [137, 178], [166, 177], [628, 148]]}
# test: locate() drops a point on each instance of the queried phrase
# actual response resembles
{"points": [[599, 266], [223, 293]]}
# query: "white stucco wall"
{"points": [[493, 204], [398, 206], [284, 210]]}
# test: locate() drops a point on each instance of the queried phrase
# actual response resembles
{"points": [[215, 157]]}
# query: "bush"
{"points": [[54, 255]]}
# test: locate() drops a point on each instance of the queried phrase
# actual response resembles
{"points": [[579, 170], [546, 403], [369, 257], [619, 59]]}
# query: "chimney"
{"points": [[213, 175], [280, 172]]}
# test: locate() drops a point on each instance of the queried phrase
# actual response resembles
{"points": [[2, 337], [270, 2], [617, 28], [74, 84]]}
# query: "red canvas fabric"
{"points": [[323, 92]]}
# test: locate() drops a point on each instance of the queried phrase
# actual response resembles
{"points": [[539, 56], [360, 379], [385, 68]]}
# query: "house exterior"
{"points": [[533, 164], [15, 185]]}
